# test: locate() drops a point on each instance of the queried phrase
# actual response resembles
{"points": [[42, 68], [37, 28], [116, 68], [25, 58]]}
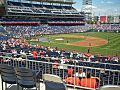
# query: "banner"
{"points": [[103, 19]]}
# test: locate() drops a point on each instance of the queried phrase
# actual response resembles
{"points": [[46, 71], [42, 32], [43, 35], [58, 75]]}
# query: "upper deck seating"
{"points": [[27, 5], [14, 4], [41, 6]]}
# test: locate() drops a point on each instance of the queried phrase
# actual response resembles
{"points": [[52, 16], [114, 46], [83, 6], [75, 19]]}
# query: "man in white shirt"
{"points": [[62, 60], [80, 74]]}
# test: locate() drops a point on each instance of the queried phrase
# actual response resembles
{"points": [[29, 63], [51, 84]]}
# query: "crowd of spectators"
{"points": [[42, 29], [81, 78], [21, 50], [19, 46], [105, 27], [19, 30], [31, 30]]}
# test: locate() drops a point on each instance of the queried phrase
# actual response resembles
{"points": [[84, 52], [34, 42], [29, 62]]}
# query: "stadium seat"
{"points": [[7, 75], [110, 87], [26, 78], [53, 82]]}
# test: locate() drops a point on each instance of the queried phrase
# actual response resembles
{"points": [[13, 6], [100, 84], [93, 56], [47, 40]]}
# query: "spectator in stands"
{"points": [[55, 64], [89, 82], [42, 53], [71, 55], [70, 72], [62, 60], [4, 46], [98, 57], [115, 58], [109, 58], [23, 53], [70, 79], [34, 54], [80, 74], [14, 51]]}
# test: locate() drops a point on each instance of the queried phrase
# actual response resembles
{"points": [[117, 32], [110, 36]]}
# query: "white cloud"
{"points": [[106, 2], [94, 7], [90, 6]]}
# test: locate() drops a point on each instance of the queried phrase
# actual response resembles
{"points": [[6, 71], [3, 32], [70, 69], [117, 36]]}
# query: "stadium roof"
{"points": [[56, 1]]}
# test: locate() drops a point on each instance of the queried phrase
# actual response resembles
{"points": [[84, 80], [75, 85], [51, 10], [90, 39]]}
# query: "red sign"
{"points": [[103, 19]]}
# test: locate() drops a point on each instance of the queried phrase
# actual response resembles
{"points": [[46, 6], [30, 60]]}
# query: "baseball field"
{"points": [[105, 43]]}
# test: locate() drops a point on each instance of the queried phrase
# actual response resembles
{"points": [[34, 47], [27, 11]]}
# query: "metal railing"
{"points": [[104, 76]]}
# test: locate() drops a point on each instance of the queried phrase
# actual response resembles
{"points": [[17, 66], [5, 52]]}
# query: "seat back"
{"points": [[110, 87], [53, 82], [24, 74], [25, 77], [7, 74], [88, 82], [7, 70], [52, 78]]}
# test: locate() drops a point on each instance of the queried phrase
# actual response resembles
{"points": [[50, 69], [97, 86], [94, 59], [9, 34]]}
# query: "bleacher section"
{"points": [[18, 54], [36, 29], [41, 13], [45, 13], [19, 30], [3, 34], [18, 7]]}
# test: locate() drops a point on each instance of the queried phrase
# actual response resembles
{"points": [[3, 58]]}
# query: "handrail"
{"points": [[17, 59], [35, 65], [74, 60]]}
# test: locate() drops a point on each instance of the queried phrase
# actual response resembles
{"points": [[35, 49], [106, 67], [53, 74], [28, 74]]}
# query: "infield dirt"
{"points": [[88, 41]]}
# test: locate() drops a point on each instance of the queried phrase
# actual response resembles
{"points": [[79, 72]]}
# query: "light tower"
{"points": [[87, 9]]}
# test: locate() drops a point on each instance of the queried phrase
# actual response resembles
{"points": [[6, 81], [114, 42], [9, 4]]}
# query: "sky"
{"points": [[102, 7]]}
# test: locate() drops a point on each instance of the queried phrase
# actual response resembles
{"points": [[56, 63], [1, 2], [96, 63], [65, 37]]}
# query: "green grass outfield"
{"points": [[112, 48]]}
